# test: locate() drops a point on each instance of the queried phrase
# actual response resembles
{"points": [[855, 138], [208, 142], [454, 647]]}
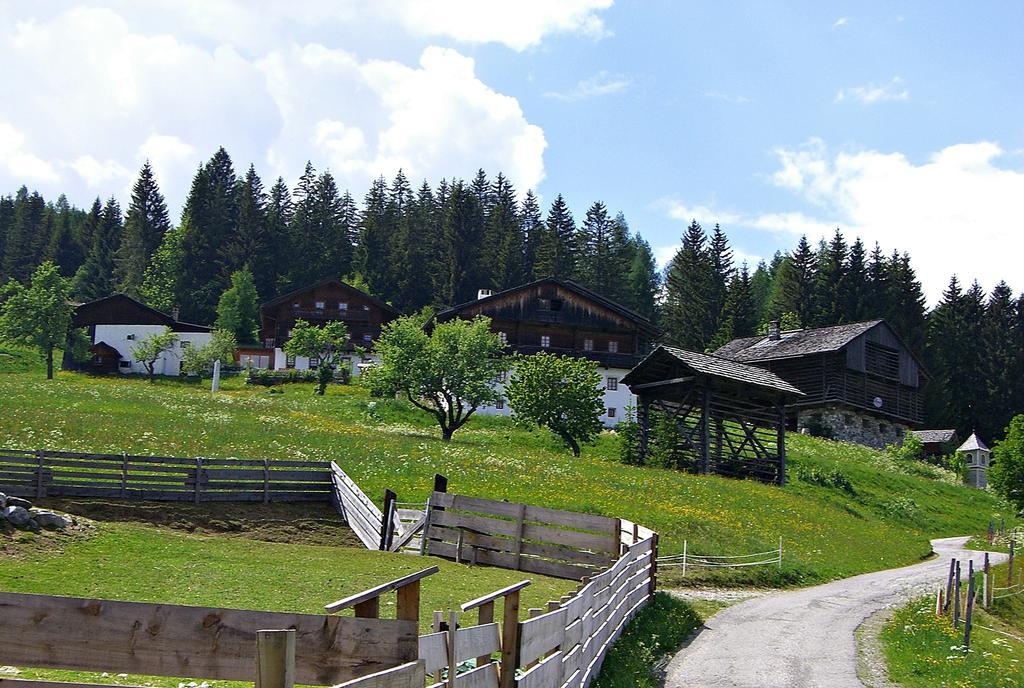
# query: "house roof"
{"points": [[934, 436], [123, 305], [795, 343], [324, 282], [712, 366], [973, 442], [623, 311]]}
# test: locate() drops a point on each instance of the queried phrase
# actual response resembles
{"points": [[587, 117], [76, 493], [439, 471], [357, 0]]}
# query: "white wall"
{"points": [[617, 399], [169, 362], [280, 362]]}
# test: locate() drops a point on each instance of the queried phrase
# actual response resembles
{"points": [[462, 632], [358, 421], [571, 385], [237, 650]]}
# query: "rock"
{"points": [[50, 520], [17, 516], [18, 501]]}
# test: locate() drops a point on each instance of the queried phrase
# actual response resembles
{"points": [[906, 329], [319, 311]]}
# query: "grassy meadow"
{"points": [[883, 519]]}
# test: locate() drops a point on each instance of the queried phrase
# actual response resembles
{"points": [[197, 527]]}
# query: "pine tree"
{"points": [[249, 246], [273, 278], [422, 253], [720, 256], [878, 284], [145, 224], [593, 248], [161, 283], [643, 281], [947, 353], [303, 242], [95, 279], [739, 319], [556, 247], [64, 249], [999, 360], [687, 288], [621, 256], [370, 261], [503, 241], [208, 220], [6, 225], [760, 285], [461, 235], [855, 284], [533, 228], [27, 236], [332, 223], [906, 304], [831, 273]]}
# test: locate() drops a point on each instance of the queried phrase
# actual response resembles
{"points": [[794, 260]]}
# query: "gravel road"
{"points": [[805, 638]]}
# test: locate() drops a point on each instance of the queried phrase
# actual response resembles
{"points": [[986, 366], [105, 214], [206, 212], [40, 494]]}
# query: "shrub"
{"points": [[833, 478], [900, 507], [270, 378], [909, 449], [628, 432]]}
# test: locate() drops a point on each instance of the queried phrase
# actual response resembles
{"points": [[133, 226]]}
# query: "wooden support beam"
{"points": [[510, 640], [275, 659], [379, 590]]}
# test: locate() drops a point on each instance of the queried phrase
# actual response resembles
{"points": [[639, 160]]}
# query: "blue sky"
{"points": [[899, 122]]}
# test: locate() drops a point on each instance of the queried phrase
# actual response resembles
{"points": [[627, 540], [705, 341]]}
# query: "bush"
{"points": [[270, 378], [628, 431], [833, 478], [910, 449], [901, 507]]}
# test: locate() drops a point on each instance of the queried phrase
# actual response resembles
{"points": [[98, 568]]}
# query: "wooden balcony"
{"points": [[608, 359], [355, 315]]}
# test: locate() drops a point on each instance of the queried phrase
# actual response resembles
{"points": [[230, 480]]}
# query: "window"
{"points": [[343, 307], [613, 346], [320, 305], [130, 337], [289, 361], [367, 338], [366, 308], [588, 344], [295, 305], [612, 384], [504, 338], [185, 344], [314, 362], [545, 341], [503, 376], [611, 413], [125, 364], [499, 404]]}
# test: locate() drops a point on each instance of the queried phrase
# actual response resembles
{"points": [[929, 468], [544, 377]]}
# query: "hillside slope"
{"points": [[827, 532]]}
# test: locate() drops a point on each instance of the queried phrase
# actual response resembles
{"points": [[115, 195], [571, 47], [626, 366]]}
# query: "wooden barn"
{"points": [[327, 300], [562, 317], [861, 382], [719, 416]]}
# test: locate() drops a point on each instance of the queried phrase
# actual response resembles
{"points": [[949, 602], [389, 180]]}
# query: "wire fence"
{"points": [[688, 559]]}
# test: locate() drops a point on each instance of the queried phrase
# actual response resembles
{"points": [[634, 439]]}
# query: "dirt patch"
{"points": [[309, 524], [18, 544]]}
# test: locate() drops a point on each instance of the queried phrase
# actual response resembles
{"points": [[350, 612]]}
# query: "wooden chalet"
{"points": [[326, 301], [562, 317], [729, 418], [860, 381], [936, 442]]}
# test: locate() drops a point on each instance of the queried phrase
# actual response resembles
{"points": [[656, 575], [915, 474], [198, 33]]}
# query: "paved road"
{"points": [[804, 638]]}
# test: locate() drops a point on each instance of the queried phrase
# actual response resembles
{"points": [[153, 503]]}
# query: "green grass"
{"points": [[657, 631], [925, 651], [1009, 610], [828, 532]]}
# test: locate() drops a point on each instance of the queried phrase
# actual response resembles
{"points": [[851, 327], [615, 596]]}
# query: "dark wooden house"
{"points": [[326, 301], [562, 317], [936, 442], [861, 382]]}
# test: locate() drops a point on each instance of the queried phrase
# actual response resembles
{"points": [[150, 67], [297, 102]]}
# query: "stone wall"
{"points": [[850, 425]]}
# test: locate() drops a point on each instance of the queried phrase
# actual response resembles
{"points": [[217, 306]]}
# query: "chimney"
{"points": [[773, 330], [484, 293], [174, 313]]}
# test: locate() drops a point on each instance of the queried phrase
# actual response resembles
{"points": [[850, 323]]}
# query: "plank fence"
{"points": [[358, 510], [42, 474]]}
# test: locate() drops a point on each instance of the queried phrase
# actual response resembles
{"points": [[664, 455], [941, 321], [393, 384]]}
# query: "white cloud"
{"points": [[841, 22], [601, 84], [957, 212], [869, 94], [19, 162], [703, 214], [101, 90], [732, 98]]}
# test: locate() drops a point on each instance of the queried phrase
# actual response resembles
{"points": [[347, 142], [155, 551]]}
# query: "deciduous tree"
{"points": [[326, 344], [149, 350], [39, 314]]}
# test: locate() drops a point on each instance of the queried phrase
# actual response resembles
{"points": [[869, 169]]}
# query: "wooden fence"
{"points": [[563, 544], [358, 510], [197, 642], [123, 476]]}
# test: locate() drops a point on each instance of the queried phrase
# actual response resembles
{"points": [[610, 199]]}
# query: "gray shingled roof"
{"points": [[934, 436], [794, 343], [973, 442], [714, 366]]}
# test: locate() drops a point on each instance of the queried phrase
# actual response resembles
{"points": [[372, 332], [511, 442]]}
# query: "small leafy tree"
{"points": [[1007, 472], [149, 350], [628, 431], [559, 393], [448, 373], [238, 308], [908, 449], [39, 314], [326, 343], [198, 360]]}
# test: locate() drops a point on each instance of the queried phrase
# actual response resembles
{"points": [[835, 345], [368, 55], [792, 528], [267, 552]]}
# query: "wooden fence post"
{"points": [[485, 616], [684, 558], [275, 659], [938, 602], [970, 605], [510, 640], [199, 474], [956, 598], [949, 586], [40, 490], [408, 605], [654, 565], [124, 474], [266, 481], [387, 525], [453, 664]]}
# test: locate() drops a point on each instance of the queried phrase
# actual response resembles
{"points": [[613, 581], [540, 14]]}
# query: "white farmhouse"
{"points": [[118, 323]]}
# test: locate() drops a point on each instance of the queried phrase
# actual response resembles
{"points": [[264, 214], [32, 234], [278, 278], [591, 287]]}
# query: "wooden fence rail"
{"points": [[198, 642], [362, 515]]}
